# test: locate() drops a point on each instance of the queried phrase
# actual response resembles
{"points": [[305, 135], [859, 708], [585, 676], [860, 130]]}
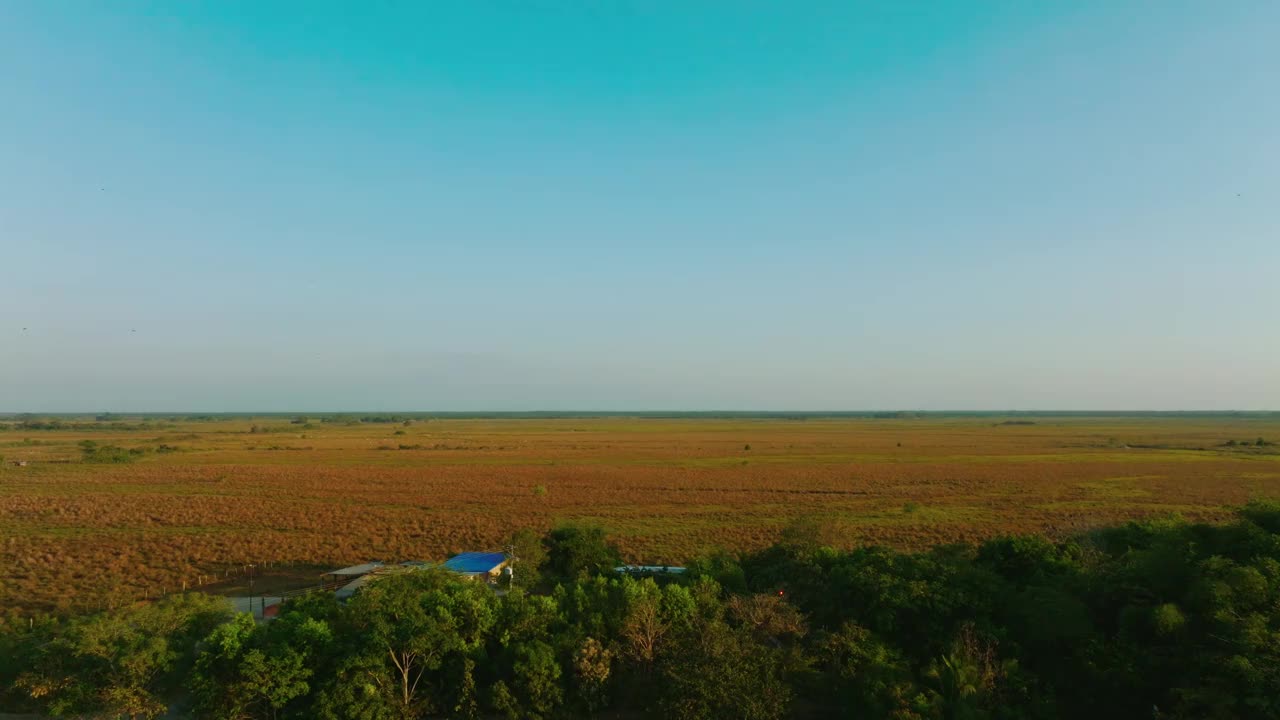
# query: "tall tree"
{"points": [[575, 552], [240, 676], [121, 662], [414, 621]]}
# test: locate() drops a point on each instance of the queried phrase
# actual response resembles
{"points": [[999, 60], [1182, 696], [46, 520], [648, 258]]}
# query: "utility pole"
{"points": [[511, 569]]}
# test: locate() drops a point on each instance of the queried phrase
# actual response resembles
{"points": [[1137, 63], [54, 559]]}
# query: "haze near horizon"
{"points": [[626, 206]]}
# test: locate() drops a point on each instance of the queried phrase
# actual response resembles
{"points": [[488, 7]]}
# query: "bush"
{"points": [[91, 452], [1264, 514], [1171, 615], [575, 552]]}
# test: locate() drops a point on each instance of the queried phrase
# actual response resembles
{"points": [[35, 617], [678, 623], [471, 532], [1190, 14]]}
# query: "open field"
{"points": [[203, 496]]}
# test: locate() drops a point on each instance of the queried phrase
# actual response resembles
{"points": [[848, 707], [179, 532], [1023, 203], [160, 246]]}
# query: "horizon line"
{"points": [[588, 412]]}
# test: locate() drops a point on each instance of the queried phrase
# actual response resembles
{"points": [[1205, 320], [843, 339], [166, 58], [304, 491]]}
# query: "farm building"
{"points": [[487, 566], [472, 565], [346, 581], [648, 570], [350, 573], [375, 574]]}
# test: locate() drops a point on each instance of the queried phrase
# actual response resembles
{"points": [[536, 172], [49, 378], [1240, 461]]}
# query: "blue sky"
{"points": [[639, 205]]}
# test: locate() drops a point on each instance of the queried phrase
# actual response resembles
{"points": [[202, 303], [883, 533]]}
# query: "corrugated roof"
{"points": [[356, 570], [350, 588], [365, 580], [475, 562], [649, 569]]}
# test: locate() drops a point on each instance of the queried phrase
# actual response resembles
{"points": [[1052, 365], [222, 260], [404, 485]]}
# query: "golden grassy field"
{"points": [[210, 495]]}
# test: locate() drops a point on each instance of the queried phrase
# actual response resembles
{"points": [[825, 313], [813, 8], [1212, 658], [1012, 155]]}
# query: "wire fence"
{"points": [[245, 571]]}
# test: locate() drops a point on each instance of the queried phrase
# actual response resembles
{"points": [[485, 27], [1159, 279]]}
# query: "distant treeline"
{"points": [[32, 421], [75, 424], [1161, 619]]}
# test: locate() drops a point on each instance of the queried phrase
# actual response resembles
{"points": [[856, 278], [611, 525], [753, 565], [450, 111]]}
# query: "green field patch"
{"points": [[1123, 456], [46, 528], [1118, 487], [914, 513], [1110, 507]]}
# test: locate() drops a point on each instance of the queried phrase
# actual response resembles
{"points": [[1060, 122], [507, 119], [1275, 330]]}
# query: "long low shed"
{"points": [[486, 565]]}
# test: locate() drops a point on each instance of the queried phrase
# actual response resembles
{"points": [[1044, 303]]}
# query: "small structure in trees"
{"points": [[643, 570], [346, 582], [487, 566]]}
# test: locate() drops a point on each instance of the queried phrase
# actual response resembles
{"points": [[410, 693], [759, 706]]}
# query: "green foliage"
{"points": [[966, 682], [241, 674], [1155, 619], [575, 552], [721, 566], [867, 678], [592, 669], [803, 536], [1025, 560], [1167, 619], [530, 555], [92, 452], [719, 671], [116, 663], [413, 624], [1264, 514], [534, 689]]}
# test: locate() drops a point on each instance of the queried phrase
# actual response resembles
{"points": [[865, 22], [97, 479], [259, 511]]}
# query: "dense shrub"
{"points": [[1154, 619], [92, 452]]}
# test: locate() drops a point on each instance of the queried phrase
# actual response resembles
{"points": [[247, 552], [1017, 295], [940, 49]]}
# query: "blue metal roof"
{"points": [[475, 562]]}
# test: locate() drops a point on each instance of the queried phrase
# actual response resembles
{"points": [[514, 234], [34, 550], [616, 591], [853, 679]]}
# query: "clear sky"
{"points": [[639, 205]]}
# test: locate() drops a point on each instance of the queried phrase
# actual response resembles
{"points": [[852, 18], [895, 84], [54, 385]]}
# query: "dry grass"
{"points": [[73, 534]]}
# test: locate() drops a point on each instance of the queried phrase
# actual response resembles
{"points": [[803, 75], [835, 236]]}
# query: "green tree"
{"points": [[966, 682], [721, 566], [534, 689], [804, 536], [575, 552], [123, 662], [592, 607], [645, 626], [240, 676], [530, 555], [592, 669], [866, 678], [358, 688], [719, 672], [412, 623]]}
